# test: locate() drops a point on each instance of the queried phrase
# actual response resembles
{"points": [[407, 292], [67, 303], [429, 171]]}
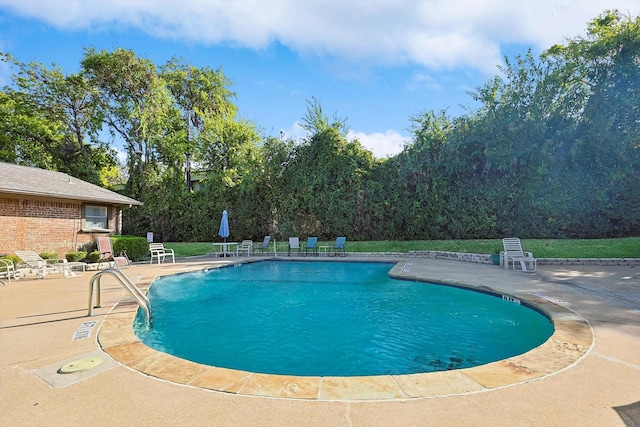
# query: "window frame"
{"points": [[89, 219]]}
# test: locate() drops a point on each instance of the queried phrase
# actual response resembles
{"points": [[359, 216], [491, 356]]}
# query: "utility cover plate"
{"points": [[51, 374], [80, 365]]}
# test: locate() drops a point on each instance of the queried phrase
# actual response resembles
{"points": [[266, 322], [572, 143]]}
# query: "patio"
{"points": [[39, 318]]}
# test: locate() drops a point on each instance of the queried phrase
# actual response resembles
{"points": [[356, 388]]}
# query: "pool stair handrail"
{"points": [[133, 290]]}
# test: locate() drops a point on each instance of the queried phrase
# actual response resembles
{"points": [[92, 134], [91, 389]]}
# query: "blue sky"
{"points": [[374, 62]]}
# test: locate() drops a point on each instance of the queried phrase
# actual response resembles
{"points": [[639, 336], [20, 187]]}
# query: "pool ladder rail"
{"points": [[133, 290]]}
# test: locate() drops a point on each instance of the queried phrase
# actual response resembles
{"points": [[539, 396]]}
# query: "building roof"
{"points": [[29, 181]]}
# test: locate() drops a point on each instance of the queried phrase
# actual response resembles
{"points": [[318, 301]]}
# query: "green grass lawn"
{"points": [[541, 248]]}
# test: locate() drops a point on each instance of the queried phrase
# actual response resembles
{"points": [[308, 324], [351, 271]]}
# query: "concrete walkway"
{"points": [[39, 318]]}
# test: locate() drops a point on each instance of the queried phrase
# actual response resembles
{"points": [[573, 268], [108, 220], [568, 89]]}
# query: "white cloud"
{"points": [[421, 81], [382, 145], [295, 132], [438, 34], [121, 155]]}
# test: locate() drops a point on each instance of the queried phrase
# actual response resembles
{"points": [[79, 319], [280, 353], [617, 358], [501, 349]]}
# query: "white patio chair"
{"points": [[513, 253], [159, 252], [7, 269], [245, 246]]}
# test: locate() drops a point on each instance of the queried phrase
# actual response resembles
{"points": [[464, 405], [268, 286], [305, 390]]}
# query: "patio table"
{"points": [[226, 249]]}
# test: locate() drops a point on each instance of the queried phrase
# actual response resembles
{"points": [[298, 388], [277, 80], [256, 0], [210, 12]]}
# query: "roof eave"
{"points": [[127, 201]]}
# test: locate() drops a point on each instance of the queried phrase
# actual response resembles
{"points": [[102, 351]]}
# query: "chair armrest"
{"points": [[528, 254], [6, 265]]}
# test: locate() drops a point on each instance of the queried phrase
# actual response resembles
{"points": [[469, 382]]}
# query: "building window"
{"points": [[95, 217]]}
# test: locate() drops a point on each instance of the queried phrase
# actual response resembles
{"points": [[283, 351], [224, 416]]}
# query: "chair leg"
{"points": [[523, 265]]}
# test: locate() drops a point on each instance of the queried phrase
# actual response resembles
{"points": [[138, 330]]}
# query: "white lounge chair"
{"points": [[159, 252], [513, 253], [245, 246], [35, 261]]}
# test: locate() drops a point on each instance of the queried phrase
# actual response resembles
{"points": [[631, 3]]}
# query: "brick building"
{"points": [[48, 211]]}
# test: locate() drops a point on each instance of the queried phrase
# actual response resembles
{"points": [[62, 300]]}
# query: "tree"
{"points": [[137, 109], [203, 98], [315, 121], [323, 190], [52, 122], [596, 82]]}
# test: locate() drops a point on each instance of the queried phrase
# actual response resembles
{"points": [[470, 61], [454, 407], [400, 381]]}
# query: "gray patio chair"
{"points": [[294, 245], [264, 245]]}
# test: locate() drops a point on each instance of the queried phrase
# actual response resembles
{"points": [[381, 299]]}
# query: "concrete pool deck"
{"points": [[575, 379]]}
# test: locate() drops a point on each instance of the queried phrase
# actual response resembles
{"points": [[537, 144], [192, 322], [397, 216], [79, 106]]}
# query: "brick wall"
{"points": [[46, 225]]}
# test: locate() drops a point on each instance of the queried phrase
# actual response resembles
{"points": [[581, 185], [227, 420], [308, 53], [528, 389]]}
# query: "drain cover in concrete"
{"points": [[80, 365]]}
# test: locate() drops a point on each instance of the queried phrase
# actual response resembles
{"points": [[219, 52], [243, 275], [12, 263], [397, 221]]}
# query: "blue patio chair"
{"points": [[311, 246], [340, 246]]}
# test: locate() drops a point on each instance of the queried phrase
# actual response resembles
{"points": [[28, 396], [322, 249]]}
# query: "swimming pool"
{"points": [[333, 319]]}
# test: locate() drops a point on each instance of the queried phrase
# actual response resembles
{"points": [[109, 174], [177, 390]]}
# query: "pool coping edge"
{"points": [[572, 339]]}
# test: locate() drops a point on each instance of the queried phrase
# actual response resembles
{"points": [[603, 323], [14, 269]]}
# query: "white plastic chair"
{"points": [[7, 269], [159, 252], [513, 253], [245, 246]]}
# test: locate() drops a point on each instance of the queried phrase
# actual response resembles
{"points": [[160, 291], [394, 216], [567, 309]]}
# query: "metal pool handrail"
{"points": [[133, 290]]}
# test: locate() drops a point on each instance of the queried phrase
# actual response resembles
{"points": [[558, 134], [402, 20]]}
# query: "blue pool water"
{"points": [[333, 319]]}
